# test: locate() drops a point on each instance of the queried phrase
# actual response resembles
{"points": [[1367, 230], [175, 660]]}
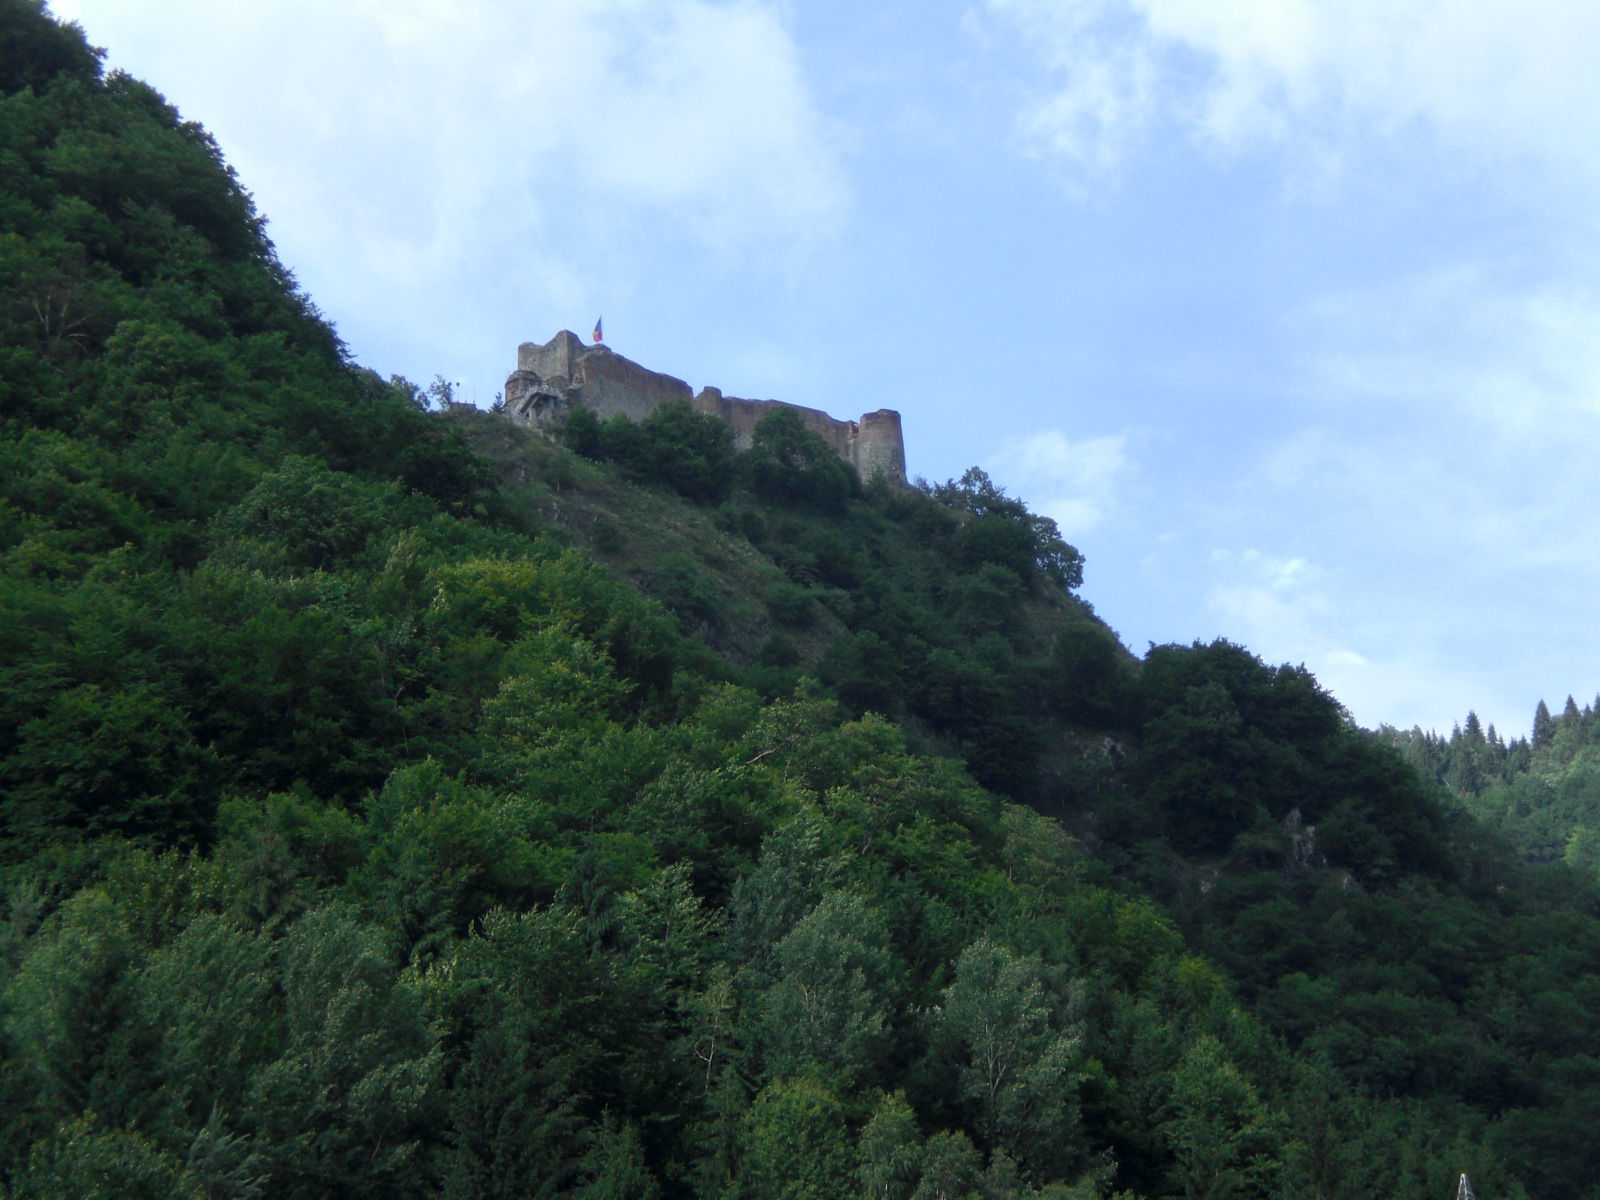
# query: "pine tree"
{"points": [[1544, 727]]}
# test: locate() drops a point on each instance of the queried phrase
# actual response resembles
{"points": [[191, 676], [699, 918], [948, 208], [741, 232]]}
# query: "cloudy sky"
{"points": [[1287, 310]]}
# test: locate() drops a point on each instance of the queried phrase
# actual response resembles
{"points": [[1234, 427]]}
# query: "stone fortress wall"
{"points": [[564, 372]]}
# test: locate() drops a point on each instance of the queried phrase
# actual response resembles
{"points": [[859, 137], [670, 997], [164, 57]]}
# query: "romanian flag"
{"points": [[598, 336]]}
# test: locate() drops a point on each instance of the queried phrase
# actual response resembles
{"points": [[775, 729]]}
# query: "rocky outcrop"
{"points": [[564, 372]]}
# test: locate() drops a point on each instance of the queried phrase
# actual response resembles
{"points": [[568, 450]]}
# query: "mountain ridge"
{"points": [[400, 804]]}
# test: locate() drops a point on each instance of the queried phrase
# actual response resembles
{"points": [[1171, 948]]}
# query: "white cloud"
{"points": [[695, 108], [663, 102], [1416, 353], [1074, 482], [1105, 81], [705, 108], [1456, 554], [1506, 77], [450, 178], [1407, 688], [1472, 411], [1284, 610], [1522, 361], [1272, 604]]}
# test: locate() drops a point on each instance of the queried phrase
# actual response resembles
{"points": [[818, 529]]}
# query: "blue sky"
{"points": [[1288, 311]]}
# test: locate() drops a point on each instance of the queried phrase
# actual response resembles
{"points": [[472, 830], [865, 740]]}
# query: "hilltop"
{"points": [[552, 379]]}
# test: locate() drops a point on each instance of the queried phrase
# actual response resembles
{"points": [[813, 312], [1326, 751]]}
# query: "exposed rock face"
{"points": [[1302, 841], [552, 378]]}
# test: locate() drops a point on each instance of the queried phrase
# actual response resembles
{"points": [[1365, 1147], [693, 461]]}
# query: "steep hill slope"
{"points": [[949, 609], [385, 816]]}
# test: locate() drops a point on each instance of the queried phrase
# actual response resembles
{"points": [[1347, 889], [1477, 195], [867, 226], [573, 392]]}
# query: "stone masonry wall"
{"points": [[552, 378], [881, 446], [600, 378]]}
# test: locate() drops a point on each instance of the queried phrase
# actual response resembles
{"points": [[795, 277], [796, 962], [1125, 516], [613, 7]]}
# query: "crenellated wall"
{"points": [[564, 372]]}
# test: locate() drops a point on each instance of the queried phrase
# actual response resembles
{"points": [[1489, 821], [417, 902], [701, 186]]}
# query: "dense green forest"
{"points": [[1543, 792], [396, 803]]}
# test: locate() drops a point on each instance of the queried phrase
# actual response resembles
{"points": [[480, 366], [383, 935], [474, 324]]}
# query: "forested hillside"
{"points": [[397, 804], [1543, 792]]}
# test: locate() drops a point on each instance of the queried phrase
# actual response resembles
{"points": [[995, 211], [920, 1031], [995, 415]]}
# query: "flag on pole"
{"points": [[598, 336]]}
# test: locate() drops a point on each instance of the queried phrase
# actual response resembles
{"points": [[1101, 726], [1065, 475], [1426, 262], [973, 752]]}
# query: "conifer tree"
{"points": [[1544, 728]]}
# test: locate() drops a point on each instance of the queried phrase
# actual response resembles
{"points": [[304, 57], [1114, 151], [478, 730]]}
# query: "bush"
{"points": [[789, 464]]}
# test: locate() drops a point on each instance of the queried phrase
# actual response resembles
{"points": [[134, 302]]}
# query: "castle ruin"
{"points": [[550, 380]]}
